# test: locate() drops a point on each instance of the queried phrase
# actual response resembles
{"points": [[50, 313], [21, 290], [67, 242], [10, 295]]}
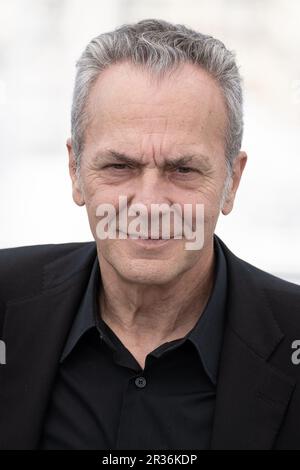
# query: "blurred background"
{"points": [[40, 41]]}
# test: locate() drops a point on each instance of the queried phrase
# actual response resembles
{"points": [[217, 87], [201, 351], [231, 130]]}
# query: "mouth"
{"points": [[148, 242], [137, 237]]}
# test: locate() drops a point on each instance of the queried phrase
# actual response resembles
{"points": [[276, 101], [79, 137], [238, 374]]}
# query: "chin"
{"points": [[149, 273]]}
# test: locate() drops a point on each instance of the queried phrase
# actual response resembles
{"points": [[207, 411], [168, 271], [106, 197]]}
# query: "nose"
{"points": [[150, 189]]}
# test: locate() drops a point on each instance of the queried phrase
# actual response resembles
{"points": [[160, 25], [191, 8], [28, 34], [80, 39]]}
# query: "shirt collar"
{"points": [[206, 335], [85, 317]]}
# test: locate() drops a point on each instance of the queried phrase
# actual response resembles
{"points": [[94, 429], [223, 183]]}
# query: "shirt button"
{"points": [[140, 382]]}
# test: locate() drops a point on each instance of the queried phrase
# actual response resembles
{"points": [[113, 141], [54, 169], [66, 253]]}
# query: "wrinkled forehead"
{"points": [[128, 105], [124, 91]]}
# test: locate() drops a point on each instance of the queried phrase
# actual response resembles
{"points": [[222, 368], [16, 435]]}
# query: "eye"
{"points": [[118, 166], [184, 169]]}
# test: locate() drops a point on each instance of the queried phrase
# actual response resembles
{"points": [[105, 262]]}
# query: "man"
{"points": [[140, 343]]}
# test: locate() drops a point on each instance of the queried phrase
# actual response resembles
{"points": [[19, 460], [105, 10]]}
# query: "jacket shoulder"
{"points": [[21, 268], [283, 297], [270, 282]]}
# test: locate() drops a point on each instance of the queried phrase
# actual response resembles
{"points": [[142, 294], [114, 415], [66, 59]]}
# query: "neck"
{"points": [[151, 315]]}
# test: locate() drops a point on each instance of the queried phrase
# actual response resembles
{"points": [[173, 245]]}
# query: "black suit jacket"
{"points": [[258, 395]]}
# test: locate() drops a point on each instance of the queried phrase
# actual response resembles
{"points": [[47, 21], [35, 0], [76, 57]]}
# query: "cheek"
{"points": [[96, 193], [94, 197], [210, 196], [208, 211]]}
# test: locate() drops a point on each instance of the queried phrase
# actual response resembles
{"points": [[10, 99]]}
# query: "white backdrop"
{"points": [[40, 41]]}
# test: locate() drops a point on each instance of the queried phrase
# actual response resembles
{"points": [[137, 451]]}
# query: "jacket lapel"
{"points": [[35, 331], [252, 395]]}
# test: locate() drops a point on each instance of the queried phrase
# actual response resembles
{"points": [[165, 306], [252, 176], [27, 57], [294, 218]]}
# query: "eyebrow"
{"points": [[169, 162]]}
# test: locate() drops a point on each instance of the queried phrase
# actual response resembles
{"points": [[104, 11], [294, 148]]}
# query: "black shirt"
{"points": [[103, 399]]}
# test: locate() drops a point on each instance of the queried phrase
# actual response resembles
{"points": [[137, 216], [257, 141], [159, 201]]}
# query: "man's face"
{"points": [[154, 124]]}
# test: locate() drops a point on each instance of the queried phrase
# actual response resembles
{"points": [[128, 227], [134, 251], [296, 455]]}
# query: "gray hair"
{"points": [[160, 47]]}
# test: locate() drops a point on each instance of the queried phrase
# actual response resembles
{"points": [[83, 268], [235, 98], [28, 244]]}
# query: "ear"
{"points": [[237, 170], [76, 186]]}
